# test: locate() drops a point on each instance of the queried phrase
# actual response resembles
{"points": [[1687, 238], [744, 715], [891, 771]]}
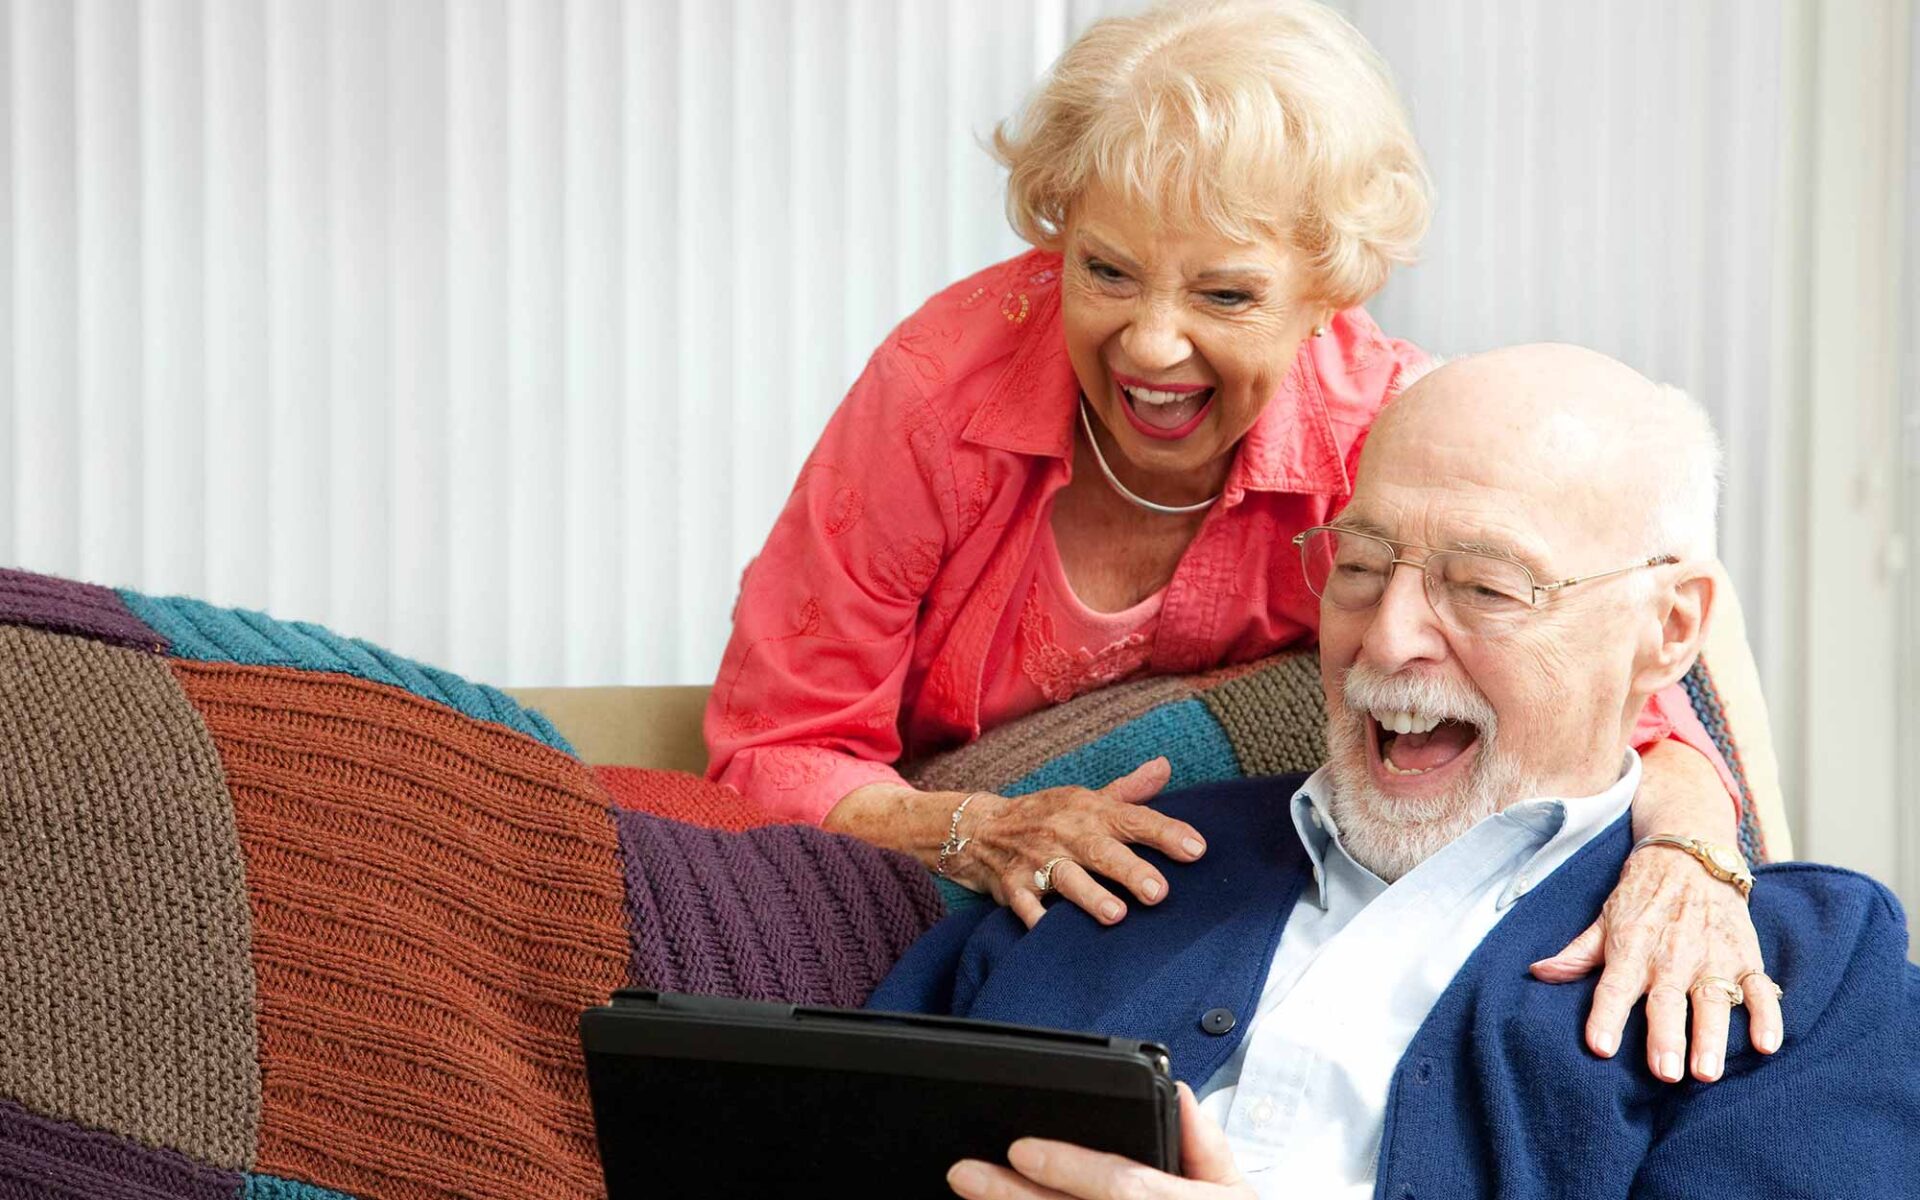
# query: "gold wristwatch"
{"points": [[1722, 862]]}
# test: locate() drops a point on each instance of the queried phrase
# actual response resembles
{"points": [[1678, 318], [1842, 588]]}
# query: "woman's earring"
{"points": [[1319, 331]]}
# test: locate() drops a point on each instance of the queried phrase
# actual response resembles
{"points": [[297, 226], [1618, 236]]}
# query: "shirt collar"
{"points": [[1559, 825], [1032, 407]]}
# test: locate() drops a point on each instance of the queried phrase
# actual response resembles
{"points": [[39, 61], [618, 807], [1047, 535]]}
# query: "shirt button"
{"points": [[1313, 814], [1262, 1112], [1218, 1021]]}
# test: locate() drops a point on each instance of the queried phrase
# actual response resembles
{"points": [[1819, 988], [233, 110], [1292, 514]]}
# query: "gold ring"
{"points": [[1778, 991], [1723, 988], [1043, 878]]}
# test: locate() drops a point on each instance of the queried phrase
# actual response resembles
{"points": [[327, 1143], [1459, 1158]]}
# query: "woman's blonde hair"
{"points": [[1253, 117]]}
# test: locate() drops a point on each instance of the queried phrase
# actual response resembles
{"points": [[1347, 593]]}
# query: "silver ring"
{"points": [[1043, 878]]}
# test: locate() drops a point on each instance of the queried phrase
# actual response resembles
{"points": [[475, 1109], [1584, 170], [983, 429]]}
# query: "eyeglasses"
{"points": [[1476, 593]]}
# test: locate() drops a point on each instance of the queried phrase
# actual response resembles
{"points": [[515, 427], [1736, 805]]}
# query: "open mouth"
{"points": [[1410, 745], [1165, 411]]}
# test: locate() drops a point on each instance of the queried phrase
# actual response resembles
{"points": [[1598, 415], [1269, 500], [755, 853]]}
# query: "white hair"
{"points": [[1683, 516], [1247, 117]]}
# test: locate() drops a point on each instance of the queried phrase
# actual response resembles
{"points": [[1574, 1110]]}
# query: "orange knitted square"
{"points": [[683, 797], [434, 901]]}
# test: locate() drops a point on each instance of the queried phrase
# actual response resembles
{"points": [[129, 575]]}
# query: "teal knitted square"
{"points": [[268, 1187]]}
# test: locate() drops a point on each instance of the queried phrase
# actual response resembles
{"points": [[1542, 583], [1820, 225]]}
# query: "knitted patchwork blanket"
{"points": [[286, 916]]}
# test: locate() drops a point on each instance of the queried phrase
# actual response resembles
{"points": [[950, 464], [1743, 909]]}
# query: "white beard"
{"points": [[1391, 836]]}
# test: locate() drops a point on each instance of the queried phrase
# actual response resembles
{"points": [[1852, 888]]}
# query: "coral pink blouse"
{"points": [[910, 595]]}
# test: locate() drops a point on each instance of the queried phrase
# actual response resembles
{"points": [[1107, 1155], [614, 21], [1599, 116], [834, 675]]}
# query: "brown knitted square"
{"points": [[1276, 717], [126, 995], [435, 899]]}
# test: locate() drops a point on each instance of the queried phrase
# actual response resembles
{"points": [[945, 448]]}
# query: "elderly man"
{"points": [[1344, 980]]}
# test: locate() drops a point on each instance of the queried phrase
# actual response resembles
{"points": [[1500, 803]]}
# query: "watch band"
{"points": [[1723, 863]]}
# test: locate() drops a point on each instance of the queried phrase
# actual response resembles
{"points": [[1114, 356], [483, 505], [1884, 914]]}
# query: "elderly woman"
{"points": [[1086, 464]]}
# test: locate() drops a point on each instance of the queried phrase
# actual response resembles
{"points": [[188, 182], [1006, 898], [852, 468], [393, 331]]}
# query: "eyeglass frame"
{"points": [[1396, 548]]}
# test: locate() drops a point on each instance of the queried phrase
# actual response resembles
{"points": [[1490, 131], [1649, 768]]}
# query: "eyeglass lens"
{"points": [[1467, 589]]}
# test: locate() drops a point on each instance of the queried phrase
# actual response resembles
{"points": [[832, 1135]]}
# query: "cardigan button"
{"points": [[1218, 1021], [1424, 1072]]}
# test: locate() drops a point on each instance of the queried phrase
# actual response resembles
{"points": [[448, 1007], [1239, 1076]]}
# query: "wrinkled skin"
{"points": [[1091, 830], [1666, 925]]}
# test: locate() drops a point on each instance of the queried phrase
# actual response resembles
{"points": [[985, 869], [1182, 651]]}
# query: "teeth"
{"points": [[1393, 770], [1149, 396], [1401, 721]]}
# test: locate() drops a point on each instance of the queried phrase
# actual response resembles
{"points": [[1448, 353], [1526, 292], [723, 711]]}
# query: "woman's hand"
{"points": [[1668, 925], [1011, 837], [1089, 830], [1045, 1170]]}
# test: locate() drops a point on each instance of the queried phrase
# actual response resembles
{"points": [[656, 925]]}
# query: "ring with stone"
{"points": [[1043, 878]]}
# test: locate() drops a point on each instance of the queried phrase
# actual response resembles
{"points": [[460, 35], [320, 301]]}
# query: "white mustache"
{"points": [[1367, 690]]}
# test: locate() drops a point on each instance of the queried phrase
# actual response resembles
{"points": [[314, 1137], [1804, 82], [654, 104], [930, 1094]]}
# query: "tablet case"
{"points": [[698, 1095]]}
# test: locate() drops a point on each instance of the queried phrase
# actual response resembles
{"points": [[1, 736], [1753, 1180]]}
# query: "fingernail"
{"points": [[1606, 1044], [1194, 846], [1710, 1065], [1028, 1156], [1111, 910], [966, 1175], [1769, 1041], [1151, 889], [1670, 1067]]}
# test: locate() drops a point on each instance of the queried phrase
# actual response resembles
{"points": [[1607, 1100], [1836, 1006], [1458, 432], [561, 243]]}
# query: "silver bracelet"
{"points": [[954, 843]]}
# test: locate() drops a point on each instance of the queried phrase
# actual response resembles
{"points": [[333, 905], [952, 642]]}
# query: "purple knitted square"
{"points": [[66, 606], [62, 1161], [785, 912]]}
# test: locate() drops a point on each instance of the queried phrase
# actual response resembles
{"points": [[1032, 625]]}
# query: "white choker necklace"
{"points": [[1172, 510]]}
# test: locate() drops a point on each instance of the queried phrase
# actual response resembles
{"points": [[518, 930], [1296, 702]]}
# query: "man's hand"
{"points": [[1044, 1170]]}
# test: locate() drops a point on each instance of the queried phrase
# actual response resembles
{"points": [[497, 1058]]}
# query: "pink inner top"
{"points": [[1063, 648]]}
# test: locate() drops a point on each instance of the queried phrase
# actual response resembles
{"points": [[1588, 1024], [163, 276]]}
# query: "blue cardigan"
{"points": [[1497, 1095]]}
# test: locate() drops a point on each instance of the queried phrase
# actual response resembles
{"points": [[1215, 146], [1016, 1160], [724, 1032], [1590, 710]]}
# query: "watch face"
{"points": [[1724, 859]]}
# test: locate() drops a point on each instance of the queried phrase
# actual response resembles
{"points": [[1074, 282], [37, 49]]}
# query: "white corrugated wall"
{"points": [[496, 329], [492, 330]]}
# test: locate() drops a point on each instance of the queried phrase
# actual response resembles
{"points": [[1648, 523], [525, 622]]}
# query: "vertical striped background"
{"points": [[496, 329]]}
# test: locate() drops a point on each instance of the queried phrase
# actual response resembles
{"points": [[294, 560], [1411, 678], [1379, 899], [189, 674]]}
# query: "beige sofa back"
{"points": [[627, 726]]}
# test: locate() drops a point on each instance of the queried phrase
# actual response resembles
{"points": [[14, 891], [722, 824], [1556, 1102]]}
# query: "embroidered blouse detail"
{"points": [[1066, 648]]}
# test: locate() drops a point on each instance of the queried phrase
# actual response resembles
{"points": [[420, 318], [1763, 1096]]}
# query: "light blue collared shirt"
{"points": [[1359, 965]]}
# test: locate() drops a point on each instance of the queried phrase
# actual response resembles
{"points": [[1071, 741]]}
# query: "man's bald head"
{"points": [[1640, 456], [1453, 691]]}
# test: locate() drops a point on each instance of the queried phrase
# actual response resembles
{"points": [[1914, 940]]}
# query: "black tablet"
{"points": [[695, 1095]]}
